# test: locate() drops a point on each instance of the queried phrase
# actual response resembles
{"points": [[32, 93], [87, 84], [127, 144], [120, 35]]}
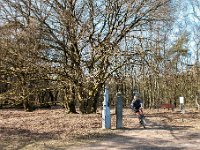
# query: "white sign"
{"points": [[181, 100]]}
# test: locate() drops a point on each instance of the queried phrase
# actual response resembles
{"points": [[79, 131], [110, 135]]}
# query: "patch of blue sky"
{"points": [[186, 21]]}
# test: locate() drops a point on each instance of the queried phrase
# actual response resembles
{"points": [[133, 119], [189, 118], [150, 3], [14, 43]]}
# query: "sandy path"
{"points": [[146, 139]]}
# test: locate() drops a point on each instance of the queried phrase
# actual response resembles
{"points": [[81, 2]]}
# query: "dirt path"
{"points": [[154, 137], [52, 129], [151, 138], [146, 140]]}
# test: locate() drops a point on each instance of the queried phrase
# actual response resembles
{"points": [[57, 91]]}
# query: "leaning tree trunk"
{"points": [[25, 100], [70, 105], [197, 103]]}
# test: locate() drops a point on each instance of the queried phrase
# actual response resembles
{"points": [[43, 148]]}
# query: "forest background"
{"points": [[64, 52]]}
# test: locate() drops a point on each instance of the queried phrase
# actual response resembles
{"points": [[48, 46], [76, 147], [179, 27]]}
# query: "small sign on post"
{"points": [[119, 111], [106, 121], [182, 109]]}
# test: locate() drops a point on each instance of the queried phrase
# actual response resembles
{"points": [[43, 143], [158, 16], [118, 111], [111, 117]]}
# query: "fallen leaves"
{"points": [[19, 127]]}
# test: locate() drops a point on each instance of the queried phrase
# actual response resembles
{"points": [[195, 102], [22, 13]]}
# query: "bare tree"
{"points": [[196, 39], [78, 41]]}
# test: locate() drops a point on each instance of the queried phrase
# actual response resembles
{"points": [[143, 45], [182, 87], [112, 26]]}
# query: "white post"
{"points": [[182, 109], [106, 121]]}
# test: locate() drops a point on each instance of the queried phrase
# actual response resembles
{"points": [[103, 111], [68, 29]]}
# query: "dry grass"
{"points": [[53, 129]]}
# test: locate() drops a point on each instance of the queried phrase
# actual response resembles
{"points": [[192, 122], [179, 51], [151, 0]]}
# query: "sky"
{"points": [[186, 21]]}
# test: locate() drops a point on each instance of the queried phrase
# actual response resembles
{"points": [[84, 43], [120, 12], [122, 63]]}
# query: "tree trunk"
{"points": [[25, 100], [96, 97], [69, 102], [71, 107]]}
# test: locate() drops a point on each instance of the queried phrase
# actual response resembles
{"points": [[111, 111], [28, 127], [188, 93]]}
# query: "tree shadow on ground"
{"points": [[186, 135], [114, 140], [174, 114], [193, 135], [159, 127], [160, 123], [117, 141], [22, 137]]}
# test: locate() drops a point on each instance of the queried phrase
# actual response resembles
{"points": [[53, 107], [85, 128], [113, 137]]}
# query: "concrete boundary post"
{"points": [[119, 108]]}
